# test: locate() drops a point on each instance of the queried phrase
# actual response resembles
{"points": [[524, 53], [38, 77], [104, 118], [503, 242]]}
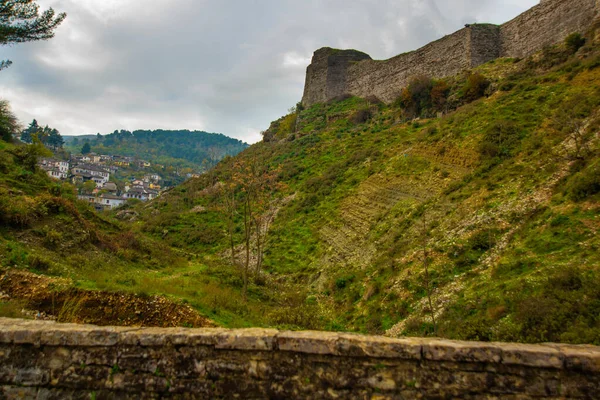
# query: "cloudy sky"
{"points": [[228, 66]]}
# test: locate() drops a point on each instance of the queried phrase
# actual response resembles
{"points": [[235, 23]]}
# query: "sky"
{"points": [[227, 66]]}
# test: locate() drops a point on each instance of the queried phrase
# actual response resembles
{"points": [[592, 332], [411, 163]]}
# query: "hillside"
{"points": [[44, 229], [477, 220], [177, 148], [467, 209]]}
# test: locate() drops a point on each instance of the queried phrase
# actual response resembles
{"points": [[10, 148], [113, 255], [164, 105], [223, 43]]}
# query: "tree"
{"points": [[89, 186], [256, 187], [9, 125], [21, 21], [86, 149], [28, 155], [55, 140], [427, 277], [32, 129]]}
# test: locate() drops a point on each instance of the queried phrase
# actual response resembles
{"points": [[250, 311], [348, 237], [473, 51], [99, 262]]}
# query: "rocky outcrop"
{"points": [[48, 360], [333, 72]]}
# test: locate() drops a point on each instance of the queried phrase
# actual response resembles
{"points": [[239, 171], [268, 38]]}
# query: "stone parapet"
{"points": [[50, 360]]}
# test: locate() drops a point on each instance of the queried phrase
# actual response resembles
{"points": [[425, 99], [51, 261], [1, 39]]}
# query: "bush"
{"points": [[361, 116], [475, 87], [17, 211], [574, 42], [439, 95], [415, 100], [52, 238], [501, 138], [585, 184], [566, 310]]}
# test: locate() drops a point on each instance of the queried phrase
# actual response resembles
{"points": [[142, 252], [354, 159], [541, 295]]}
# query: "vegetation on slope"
{"points": [[45, 229], [468, 209], [484, 220]]}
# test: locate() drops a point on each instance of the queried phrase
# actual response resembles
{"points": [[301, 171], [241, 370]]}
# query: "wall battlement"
{"points": [[335, 72], [46, 360]]}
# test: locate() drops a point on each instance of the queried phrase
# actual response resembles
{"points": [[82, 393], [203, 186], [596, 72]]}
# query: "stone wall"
{"points": [[385, 79], [336, 72], [546, 24], [46, 360]]}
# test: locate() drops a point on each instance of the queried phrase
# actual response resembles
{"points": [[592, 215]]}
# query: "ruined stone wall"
{"points": [[335, 72], [46, 360], [546, 24], [385, 79]]}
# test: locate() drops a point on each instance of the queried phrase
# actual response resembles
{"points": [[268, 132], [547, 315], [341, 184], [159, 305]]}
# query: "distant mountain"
{"points": [[182, 147]]}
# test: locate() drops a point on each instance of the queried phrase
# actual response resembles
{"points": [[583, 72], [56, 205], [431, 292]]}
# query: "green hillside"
{"points": [[468, 209], [44, 229], [480, 224], [177, 148]]}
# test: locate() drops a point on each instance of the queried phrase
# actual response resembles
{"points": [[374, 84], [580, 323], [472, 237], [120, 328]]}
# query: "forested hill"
{"points": [[161, 146]]}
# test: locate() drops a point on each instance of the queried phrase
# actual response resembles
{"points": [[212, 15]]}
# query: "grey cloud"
{"points": [[219, 65]]}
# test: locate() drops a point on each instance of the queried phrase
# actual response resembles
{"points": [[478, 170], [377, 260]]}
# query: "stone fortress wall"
{"points": [[333, 73], [46, 360]]}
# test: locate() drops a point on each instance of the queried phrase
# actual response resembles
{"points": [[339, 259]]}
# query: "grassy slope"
{"points": [[510, 233], [511, 240], [46, 230]]}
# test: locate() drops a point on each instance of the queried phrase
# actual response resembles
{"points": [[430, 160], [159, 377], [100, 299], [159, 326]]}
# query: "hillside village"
{"points": [[91, 173]]}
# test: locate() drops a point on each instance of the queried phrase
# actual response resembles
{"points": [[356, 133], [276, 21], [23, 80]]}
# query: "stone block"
{"points": [[378, 347], [246, 339], [457, 351], [308, 342], [532, 356]]}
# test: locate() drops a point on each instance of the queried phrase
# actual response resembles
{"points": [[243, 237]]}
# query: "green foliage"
{"points": [[567, 309], [475, 86], [585, 183], [9, 124], [21, 21], [574, 42], [177, 148], [500, 139], [86, 148]]}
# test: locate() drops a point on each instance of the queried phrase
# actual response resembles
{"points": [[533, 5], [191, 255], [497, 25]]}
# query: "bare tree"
{"points": [[428, 285]]}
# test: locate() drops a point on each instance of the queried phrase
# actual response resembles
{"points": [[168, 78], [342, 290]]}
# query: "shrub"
{"points": [[361, 116], [475, 87], [585, 184], [574, 42], [500, 140], [287, 125], [439, 95], [52, 238], [415, 100], [17, 211]]}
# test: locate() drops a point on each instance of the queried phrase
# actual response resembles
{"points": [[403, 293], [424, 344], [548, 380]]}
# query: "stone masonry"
{"points": [[333, 72], [46, 360]]}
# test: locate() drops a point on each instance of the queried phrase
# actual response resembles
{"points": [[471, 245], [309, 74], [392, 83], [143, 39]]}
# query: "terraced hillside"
{"points": [[468, 209], [475, 218]]}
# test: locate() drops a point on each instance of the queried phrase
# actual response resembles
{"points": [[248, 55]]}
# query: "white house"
{"points": [[98, 174], [138, 193], [109, 201], [57, 169]]}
